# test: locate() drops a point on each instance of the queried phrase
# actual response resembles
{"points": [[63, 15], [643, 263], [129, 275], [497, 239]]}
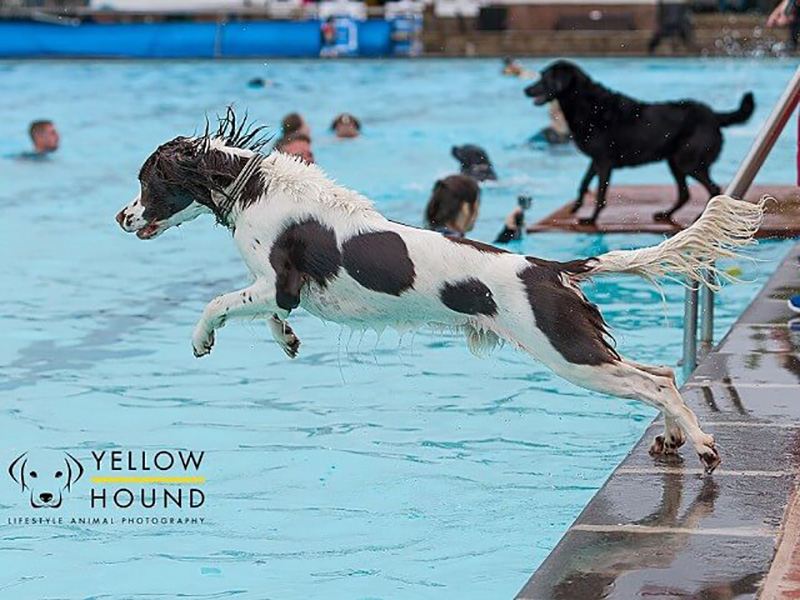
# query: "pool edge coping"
{"points": [[788, 530]]}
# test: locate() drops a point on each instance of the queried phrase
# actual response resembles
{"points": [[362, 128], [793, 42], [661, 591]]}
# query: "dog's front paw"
{"points": [[588, 221], [284, 335], [202, 343], [290, 343]]}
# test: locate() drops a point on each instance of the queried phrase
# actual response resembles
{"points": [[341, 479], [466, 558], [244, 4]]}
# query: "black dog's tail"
{"points": [[740, 115]]}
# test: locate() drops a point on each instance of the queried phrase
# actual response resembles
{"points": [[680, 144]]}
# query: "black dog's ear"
{"points": [[17, 469], [74, 470]]}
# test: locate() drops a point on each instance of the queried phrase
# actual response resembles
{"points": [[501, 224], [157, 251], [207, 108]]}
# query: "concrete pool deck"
{"points": [[659, 528]]}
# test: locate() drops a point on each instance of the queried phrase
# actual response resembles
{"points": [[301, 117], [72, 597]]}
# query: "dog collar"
{"points": [[232, 194]]}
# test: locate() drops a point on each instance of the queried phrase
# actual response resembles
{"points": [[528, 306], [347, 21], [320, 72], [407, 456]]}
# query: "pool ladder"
{"points": [[737, 188]]}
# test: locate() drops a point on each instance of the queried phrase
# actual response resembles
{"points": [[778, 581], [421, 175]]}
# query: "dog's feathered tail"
{"points": [[726, 226]]}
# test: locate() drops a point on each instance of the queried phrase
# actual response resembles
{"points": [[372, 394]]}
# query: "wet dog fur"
{"points": [[313, 244]]}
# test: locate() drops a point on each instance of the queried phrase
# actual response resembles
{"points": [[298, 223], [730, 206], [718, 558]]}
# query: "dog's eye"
{"points": [[33, 474], [59, 473]]}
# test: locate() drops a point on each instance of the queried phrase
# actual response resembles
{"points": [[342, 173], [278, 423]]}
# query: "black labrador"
{"points": [[617, 131], [474, 162]]}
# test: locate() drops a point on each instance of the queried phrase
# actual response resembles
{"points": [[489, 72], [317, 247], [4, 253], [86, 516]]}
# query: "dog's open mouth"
{"points": [[535, 91], [152, 229]]}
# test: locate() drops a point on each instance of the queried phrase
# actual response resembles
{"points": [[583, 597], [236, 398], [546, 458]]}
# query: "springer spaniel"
{"points": [[309, 242]]}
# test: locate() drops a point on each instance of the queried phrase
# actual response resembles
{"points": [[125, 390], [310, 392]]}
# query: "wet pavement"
{"points": [[659, 528]]}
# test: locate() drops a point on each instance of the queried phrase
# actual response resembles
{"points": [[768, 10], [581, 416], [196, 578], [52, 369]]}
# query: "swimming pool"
{"points": [[398, 467]]}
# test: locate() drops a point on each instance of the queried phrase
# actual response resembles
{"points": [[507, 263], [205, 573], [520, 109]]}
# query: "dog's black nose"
{"points": [[45, 497]]}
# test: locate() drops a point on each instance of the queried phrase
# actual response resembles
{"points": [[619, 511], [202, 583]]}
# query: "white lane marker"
{"points": [[740, 384], [698, 471], [660, 530], [660, 423]]}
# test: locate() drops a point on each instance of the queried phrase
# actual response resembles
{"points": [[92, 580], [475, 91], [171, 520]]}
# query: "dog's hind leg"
{"points": [[683, 193], [672, 438], [704, 178], [626, 380], [653, 369], [584, 187], [669, 441]]}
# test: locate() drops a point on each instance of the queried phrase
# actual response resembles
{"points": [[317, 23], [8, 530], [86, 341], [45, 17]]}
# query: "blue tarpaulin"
{"points": [[182, 39]]}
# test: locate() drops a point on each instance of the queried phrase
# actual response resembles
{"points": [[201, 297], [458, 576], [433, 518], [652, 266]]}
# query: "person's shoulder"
{"points": [[446, 231], [31, 156]]}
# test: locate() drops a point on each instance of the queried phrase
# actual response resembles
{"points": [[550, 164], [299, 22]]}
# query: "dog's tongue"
{"points": [[147, 231]]}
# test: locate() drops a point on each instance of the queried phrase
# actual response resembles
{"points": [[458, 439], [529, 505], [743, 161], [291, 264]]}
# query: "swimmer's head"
{"points": [[295, 123], [44, 136], [346, 126], [296, 144], [474, 162], [454, 204]]}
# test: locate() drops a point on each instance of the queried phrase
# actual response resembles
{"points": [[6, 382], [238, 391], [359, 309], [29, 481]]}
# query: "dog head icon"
{"points": [[46, 477]]}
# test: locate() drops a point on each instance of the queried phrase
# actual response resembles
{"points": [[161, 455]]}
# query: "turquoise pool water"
{"points": [[398, 467]]}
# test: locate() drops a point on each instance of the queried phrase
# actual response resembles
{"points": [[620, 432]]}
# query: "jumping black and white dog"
{"points": [[309, 242]]}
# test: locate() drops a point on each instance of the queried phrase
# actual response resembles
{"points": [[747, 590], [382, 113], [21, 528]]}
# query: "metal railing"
{"points": [[748, 169]]}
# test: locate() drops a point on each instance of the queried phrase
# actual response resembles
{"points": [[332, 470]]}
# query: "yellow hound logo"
{"points": [[46, 477]]}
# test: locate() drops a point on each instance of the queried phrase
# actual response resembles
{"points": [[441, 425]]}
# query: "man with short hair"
{"points": [[44, 137]]}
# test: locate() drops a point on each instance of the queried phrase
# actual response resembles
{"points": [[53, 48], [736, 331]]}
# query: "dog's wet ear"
{"points": [[74, 470], [17, 469]]}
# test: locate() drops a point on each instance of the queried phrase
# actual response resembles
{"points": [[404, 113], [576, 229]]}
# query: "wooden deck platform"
{"points": [[630, 209]]}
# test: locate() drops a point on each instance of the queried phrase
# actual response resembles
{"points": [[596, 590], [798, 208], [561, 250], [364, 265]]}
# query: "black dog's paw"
{"points": [[663, 216], [589, 221]]}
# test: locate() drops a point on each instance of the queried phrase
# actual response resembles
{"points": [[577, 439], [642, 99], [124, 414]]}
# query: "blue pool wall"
{"points": [[237, 39]]}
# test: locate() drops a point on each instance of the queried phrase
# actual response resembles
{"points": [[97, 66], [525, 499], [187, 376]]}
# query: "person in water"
{"points": [[296, 144], [346, 126], [512, 68], [44, 136], [557, 132], [474, 162], [295, 123], [454, 205]]}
